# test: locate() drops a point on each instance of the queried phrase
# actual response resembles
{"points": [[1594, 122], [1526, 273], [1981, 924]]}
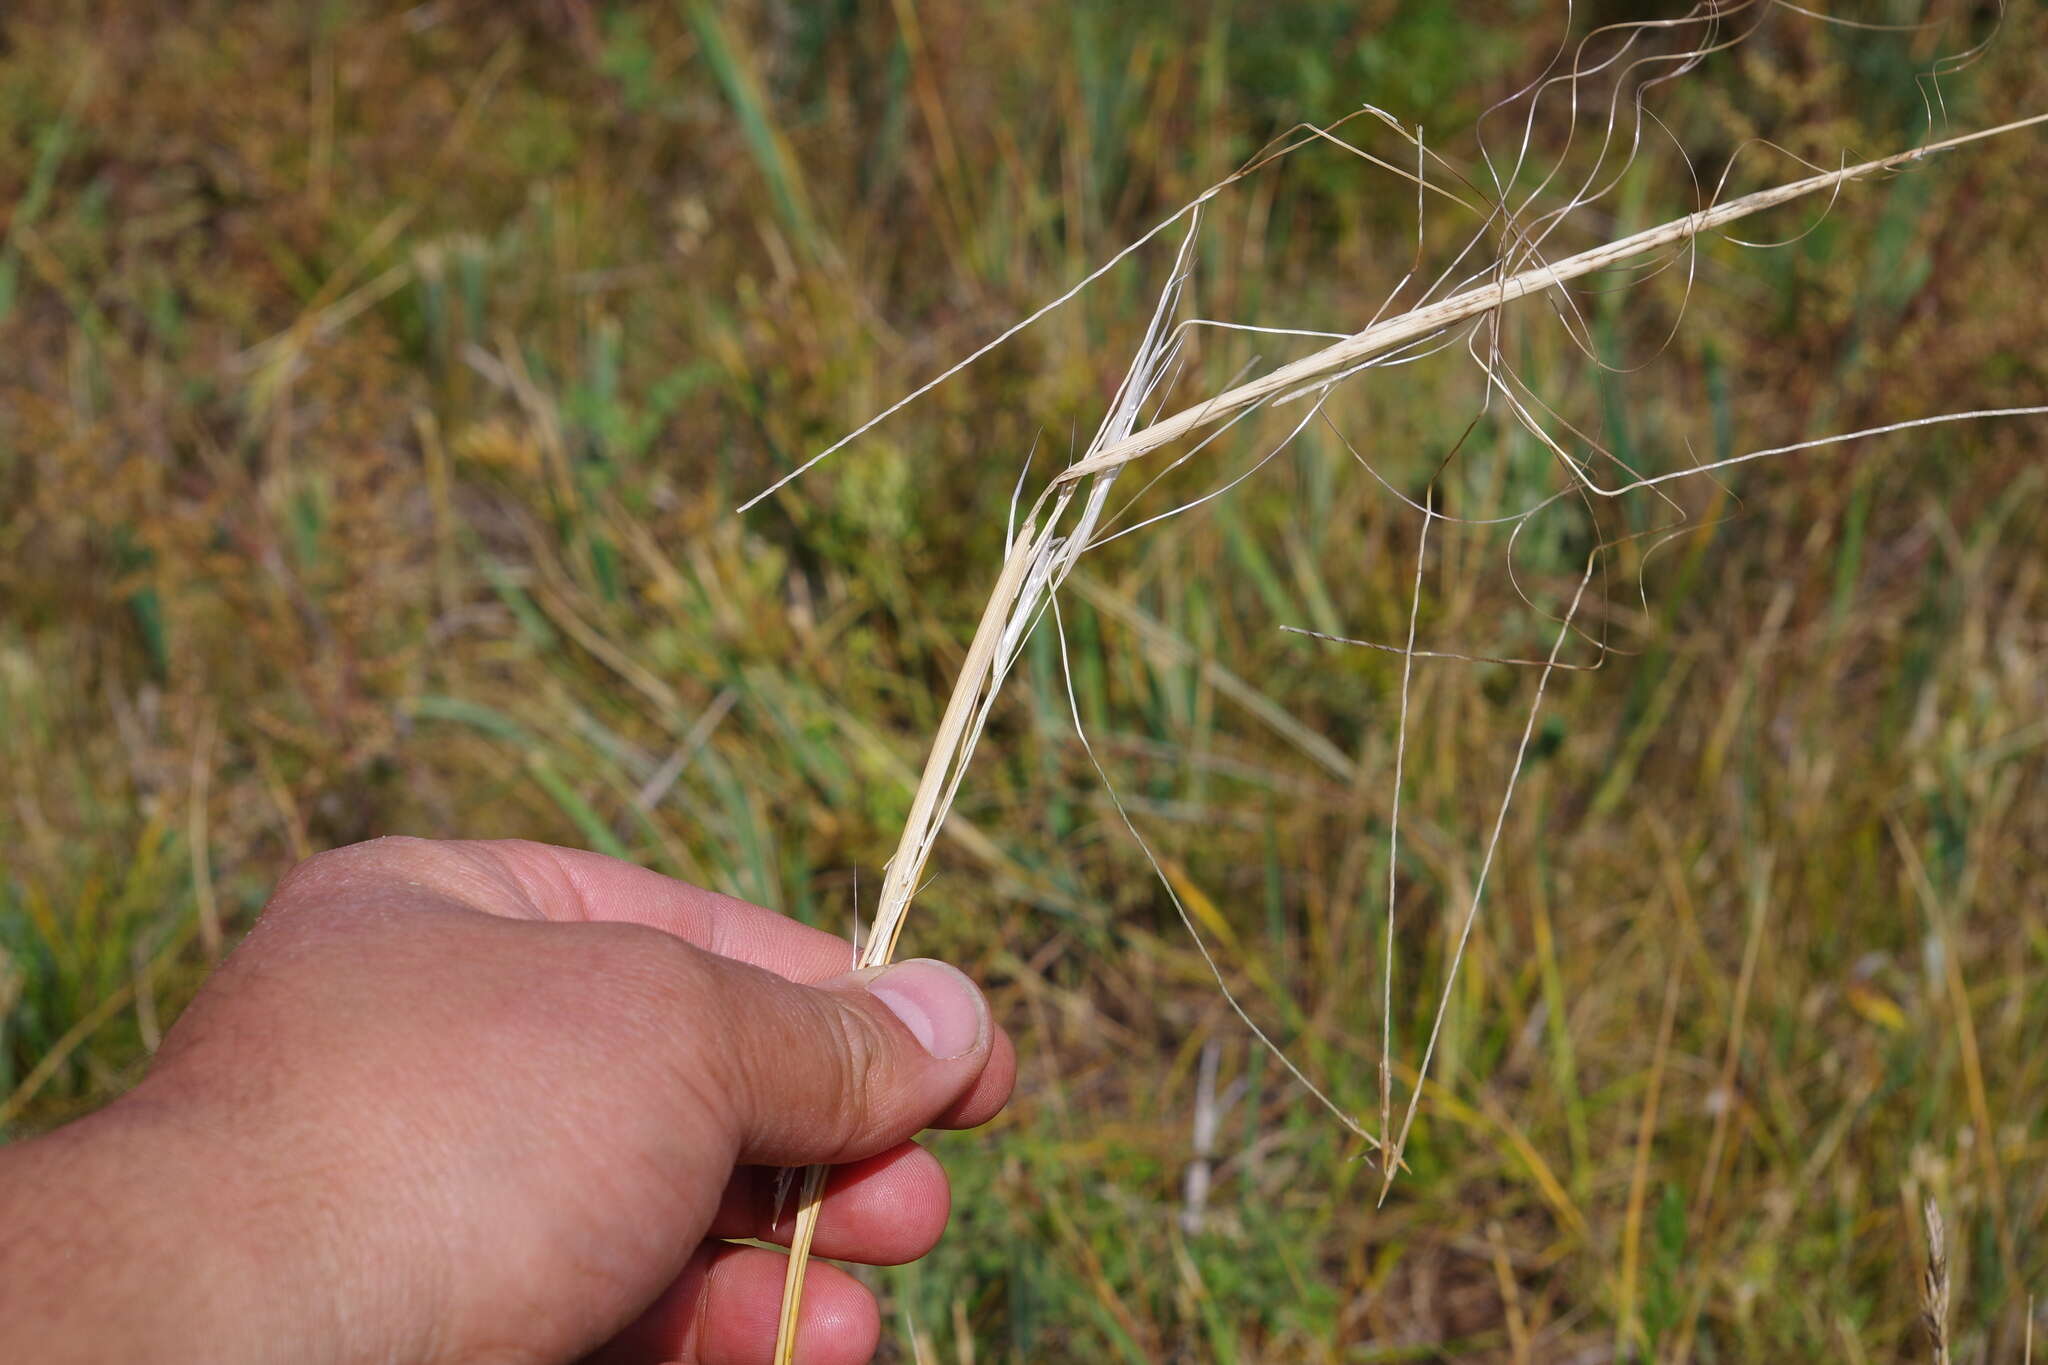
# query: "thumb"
{"points": [[844, 1070]]}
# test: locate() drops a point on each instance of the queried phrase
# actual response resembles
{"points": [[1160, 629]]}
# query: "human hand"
{"points": [[503, 1102]]}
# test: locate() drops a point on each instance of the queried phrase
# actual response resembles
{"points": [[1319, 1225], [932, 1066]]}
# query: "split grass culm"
{"points": [[1042, 551], [376, 389]]}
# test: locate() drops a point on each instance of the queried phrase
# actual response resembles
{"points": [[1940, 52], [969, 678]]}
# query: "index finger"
{"points": [[572, 885]]}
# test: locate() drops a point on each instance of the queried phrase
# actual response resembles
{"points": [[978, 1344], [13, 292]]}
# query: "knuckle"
{"points": [[674, 1000], [663, 964], [861, 1062], [462, 872], [804, 1076], [349, 862], [649, 977]]}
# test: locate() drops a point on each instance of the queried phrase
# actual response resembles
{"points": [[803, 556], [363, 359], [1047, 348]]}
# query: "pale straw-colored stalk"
{"points": [[1036, 563], [1317, 371], [1038, 557]]}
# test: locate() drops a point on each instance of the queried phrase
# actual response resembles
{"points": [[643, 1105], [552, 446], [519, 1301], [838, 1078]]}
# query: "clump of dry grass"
{"points": [[1066, 519]]}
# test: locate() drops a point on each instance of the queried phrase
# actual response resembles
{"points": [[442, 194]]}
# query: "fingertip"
{"points": [[991, 1090], [855, 1067], [726, 1306], [938, 1003], [844, 1324], [841, 1324], [887, 1210]]}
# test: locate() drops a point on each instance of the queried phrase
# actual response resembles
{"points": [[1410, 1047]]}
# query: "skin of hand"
{"points": [[504, 1103]]}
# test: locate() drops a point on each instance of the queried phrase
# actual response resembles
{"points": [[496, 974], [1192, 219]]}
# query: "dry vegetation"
{"points": [[375, 392]]}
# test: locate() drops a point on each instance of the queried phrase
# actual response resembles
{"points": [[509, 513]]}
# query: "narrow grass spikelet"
{"points": [[1934, 1286]]}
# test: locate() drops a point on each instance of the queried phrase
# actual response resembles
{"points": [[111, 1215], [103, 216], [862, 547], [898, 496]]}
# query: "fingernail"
{"points": [[936, 1002]]}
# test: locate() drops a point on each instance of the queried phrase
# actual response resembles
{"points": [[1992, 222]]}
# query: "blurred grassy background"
{"points": [[376, 386]]}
